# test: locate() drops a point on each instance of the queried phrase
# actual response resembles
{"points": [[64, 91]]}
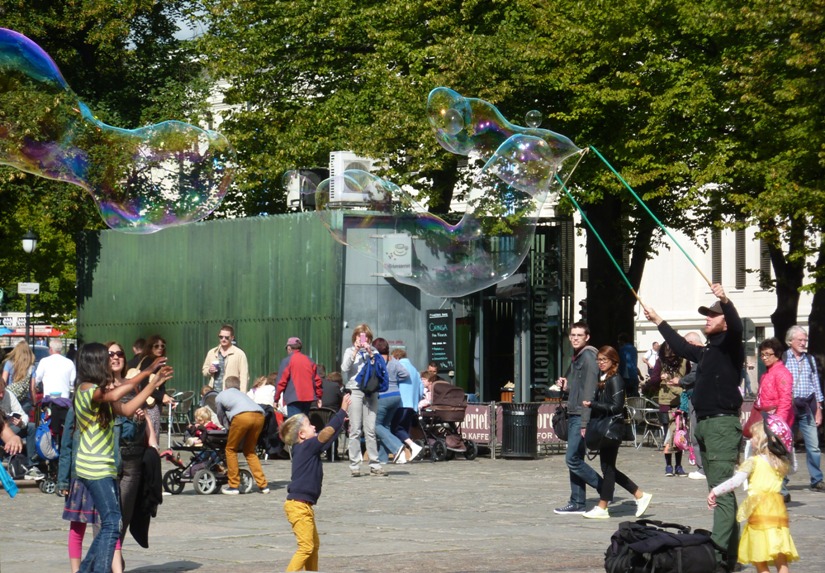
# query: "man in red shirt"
{"points": [[299, 381]]}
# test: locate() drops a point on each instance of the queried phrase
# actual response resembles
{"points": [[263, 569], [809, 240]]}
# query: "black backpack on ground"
{"points": [[647, 546]]}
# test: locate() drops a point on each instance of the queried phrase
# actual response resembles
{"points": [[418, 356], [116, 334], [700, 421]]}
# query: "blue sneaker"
{"points": [[680, 472], [669, 471]]}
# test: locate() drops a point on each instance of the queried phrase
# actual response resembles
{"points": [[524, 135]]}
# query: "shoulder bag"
{"points": [[604, 432], [560, 422]]}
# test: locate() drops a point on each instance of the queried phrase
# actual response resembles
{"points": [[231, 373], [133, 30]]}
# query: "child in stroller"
{"points": [[441, 423], [203, 423]]}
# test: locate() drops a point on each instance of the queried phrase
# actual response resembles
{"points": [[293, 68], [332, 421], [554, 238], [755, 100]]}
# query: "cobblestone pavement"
{"points": [[457, 516]]}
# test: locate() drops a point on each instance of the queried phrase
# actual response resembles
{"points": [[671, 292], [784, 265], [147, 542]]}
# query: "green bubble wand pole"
{"points": [[601, 242], [649, 212]]}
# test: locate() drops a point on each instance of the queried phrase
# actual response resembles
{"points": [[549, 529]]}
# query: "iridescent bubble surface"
{"points": [[487, 134], [420, 249], [142, 180]]}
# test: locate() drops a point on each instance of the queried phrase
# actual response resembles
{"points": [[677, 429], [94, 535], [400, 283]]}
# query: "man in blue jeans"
{"points": [[580, 382], [807, 398]]}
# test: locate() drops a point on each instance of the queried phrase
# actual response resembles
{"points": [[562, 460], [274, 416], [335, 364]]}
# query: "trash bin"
{"points": [[520, 429]]}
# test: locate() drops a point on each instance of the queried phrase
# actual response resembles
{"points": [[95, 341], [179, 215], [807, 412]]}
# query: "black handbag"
{"points": [[604, 432], [560, 423]]}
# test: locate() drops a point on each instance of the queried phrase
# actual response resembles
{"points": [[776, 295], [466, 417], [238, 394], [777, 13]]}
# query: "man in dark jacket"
{"points": [[717, 402], [581, 381]]}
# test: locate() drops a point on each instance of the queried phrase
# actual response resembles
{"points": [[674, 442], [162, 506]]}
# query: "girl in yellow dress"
{"points": [[765, 539]]}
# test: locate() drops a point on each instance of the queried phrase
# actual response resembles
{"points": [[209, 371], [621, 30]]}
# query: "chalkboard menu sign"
{"points": [[440, 338]]}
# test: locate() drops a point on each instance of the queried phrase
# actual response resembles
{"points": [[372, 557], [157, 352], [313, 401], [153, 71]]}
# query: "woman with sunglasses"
{"points": [[154, 350], [609, 401]]}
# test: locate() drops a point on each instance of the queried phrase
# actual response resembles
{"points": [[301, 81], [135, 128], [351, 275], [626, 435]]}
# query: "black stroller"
{"points": [[206, 469], [441, 424]]}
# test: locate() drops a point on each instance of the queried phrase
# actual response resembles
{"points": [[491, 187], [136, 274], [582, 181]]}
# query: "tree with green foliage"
{"points": [[308, 77], [706, 108]]}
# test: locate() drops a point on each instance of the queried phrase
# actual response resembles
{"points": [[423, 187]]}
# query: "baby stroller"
{"points": [[52, 416], [206, 469], [441, 424]]}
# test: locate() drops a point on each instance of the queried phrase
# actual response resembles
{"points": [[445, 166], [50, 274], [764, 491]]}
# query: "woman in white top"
{"points": [[263, 391]]}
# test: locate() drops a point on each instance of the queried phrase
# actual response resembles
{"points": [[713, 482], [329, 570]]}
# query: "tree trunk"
{"points": [[789, 274], [610, 302]]}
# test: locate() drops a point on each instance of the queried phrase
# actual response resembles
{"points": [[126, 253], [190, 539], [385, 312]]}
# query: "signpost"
{"points": [[28, 289]]}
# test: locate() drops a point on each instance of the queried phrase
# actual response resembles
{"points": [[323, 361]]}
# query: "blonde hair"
{"points": [[759, 441], [203, 414], [21, 358], [289, 431], [260, 381]]}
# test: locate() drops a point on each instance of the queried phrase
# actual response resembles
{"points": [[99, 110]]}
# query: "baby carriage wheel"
{"points": [[438, 450], [172, 482], [205, 482], [247, 481], [47, 485], [472, 450]]}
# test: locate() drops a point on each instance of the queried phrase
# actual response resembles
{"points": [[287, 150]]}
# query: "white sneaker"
{"points": [[415, 450], [34, 474], [597, 513], [642, 503], [400, 457], [696, 475]]}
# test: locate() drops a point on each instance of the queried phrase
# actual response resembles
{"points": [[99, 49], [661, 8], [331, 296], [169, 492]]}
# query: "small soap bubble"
{"points": [[533, 118], [141, 180]]}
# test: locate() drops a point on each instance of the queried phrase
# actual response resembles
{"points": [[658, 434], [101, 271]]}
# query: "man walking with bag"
{"points": [[580, 382]]}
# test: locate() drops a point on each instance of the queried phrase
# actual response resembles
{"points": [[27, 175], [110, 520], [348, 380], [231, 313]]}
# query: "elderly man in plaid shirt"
{"points": [[807, 398]]}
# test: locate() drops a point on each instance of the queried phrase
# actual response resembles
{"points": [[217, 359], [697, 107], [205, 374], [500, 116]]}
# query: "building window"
{"points": [[764, 265], [741, 276], [716, 256]]}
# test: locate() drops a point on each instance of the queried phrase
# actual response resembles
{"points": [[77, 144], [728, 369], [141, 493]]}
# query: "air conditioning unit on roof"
{"points": [[339, 191]]}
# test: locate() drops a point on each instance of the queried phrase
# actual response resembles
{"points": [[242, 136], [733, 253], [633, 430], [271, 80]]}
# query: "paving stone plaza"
{"points": [[484, 515]]}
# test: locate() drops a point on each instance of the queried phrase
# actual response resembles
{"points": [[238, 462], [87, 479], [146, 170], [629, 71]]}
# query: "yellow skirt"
{"points": [[766, 534]]}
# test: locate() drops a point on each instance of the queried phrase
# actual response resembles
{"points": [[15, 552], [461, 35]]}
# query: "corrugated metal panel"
{"points": [[270, 277]]}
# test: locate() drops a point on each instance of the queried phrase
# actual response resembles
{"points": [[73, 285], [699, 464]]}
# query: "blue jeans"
{"points": [[107, 503], [298, 408], [387, 442], [807, 427], [581, 474]]}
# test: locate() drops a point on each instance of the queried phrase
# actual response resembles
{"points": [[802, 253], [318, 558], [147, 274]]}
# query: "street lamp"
{"points": [[29, 245]]}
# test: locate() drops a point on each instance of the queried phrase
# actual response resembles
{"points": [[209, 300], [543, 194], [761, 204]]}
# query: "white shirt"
{"points": [[651, 356], [57, 373], [263, 394]]}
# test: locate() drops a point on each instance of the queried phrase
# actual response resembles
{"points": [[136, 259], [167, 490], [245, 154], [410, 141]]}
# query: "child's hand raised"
{"points": [[345, 402], [164, 374]]}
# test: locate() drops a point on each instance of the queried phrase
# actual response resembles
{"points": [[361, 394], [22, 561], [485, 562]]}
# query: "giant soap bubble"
{"points": [[532, 159], [142, 180], [523, 169], [420, 249]]}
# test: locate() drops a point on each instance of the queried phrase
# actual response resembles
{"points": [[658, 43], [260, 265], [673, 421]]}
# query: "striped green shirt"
{"points": [[95, 452]]}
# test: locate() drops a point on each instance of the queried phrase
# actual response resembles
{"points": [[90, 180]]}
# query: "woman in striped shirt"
{"points": [[95, 408]]}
